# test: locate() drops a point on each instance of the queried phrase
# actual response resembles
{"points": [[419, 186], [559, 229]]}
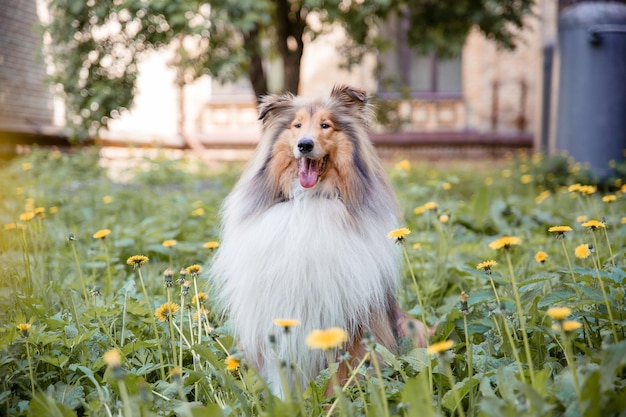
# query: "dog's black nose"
{"points": [[305, 145]]}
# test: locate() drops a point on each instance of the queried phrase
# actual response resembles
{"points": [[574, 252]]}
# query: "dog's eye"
{"points": [[297, 125], [325, 126]]}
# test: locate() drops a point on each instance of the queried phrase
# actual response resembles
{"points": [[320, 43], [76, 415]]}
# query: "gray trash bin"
{"points": [[591, 115]]}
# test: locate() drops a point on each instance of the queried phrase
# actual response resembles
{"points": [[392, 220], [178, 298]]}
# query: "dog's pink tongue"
{"points": [[308, 172]]}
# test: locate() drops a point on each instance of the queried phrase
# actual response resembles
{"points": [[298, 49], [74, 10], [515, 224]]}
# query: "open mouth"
{"points": [[310, 170]]}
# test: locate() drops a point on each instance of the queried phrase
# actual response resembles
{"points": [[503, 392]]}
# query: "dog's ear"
{"points": [[270, 103], [349, 95]]}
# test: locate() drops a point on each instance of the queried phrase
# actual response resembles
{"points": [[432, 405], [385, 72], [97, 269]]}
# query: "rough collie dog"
{"points": [[305, 237]]}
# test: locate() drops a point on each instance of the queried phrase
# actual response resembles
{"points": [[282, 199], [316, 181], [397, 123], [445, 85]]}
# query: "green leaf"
{"points": [[45, 405], [417, 398], [612, 362], [67, 395], [480, 206]]}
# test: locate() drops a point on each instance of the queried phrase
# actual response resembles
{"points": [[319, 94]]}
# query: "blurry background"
{"points": [[457, 77]]}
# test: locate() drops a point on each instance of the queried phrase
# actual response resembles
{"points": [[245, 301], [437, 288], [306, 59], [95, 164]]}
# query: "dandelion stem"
{"points": [[457, 398], [422, 312], [569, 262], [171, 328], [518, 361], [122, 336], [353, 375], [569, 357], [125, 399], [470, 363], [80, 272], [335, 383], [195, 287], [608, 244], [154, 324], [180, 344], [104, 328], [605, 297], [379, 374], [522, 320], [30, 369], [109, 274]]}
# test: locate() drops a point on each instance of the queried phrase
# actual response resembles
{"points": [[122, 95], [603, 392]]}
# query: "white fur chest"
{"points": [[301, 259]]}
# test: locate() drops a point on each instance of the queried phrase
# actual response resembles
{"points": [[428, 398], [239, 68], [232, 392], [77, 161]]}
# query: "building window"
{"points": [[404, 71]]}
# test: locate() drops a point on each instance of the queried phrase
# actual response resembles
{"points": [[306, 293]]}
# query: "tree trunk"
{"points": [[256, 73], [290, 25]]}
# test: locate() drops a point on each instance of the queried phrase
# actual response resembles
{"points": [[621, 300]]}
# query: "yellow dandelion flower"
{"points": [[10, 226], [398, 234], [594, 225], [107, 199], [404, 165], [505, 242], [211, 245], [201, 314], [486, 266], [609, 198], [446, 186], [559, 313], [286, 323], [326, 339], [622, 220], [444, 218], [541, 256], [573, 188], [198, 212], [582, 251], [232, 363], [587, 189], [506, 173], [581, 219], [201, 298], [419, 210], [175, 372], [559, 229], [137, 260], [101, 234], [167, 311], [194, 269], [29, 215], [439, 347], [542, 196], [24, 328], [53, 210], [169, 243], [113, 358], [526, 179], [431, 205], [489, 181], [417, 246], [27, 166], [19, 190], [570, 326]]}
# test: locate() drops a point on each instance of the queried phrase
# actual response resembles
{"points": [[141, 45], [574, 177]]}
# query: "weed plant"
{"points": [[105, 308]]}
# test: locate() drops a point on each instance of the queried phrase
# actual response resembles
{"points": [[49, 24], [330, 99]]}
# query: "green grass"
{"points": [[84, 303]]}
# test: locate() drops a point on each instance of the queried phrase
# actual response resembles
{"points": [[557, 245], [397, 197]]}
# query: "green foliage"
{"points": [[97, 46], [51, 264]]}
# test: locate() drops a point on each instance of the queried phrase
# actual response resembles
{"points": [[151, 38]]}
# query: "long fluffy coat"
{"points": [[305, 236]]}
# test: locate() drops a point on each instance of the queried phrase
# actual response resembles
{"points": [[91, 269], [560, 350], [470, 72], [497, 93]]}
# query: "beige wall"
{"points": [[224, 114]]}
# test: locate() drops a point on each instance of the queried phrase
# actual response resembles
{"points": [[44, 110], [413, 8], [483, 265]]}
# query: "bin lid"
{"points": [[581, 15]]}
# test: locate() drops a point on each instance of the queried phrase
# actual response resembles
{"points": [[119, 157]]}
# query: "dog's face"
{"points": [[315, 140]]}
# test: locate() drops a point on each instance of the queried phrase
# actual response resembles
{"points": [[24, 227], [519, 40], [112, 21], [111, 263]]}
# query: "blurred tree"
{"points": [[96, 45]]}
